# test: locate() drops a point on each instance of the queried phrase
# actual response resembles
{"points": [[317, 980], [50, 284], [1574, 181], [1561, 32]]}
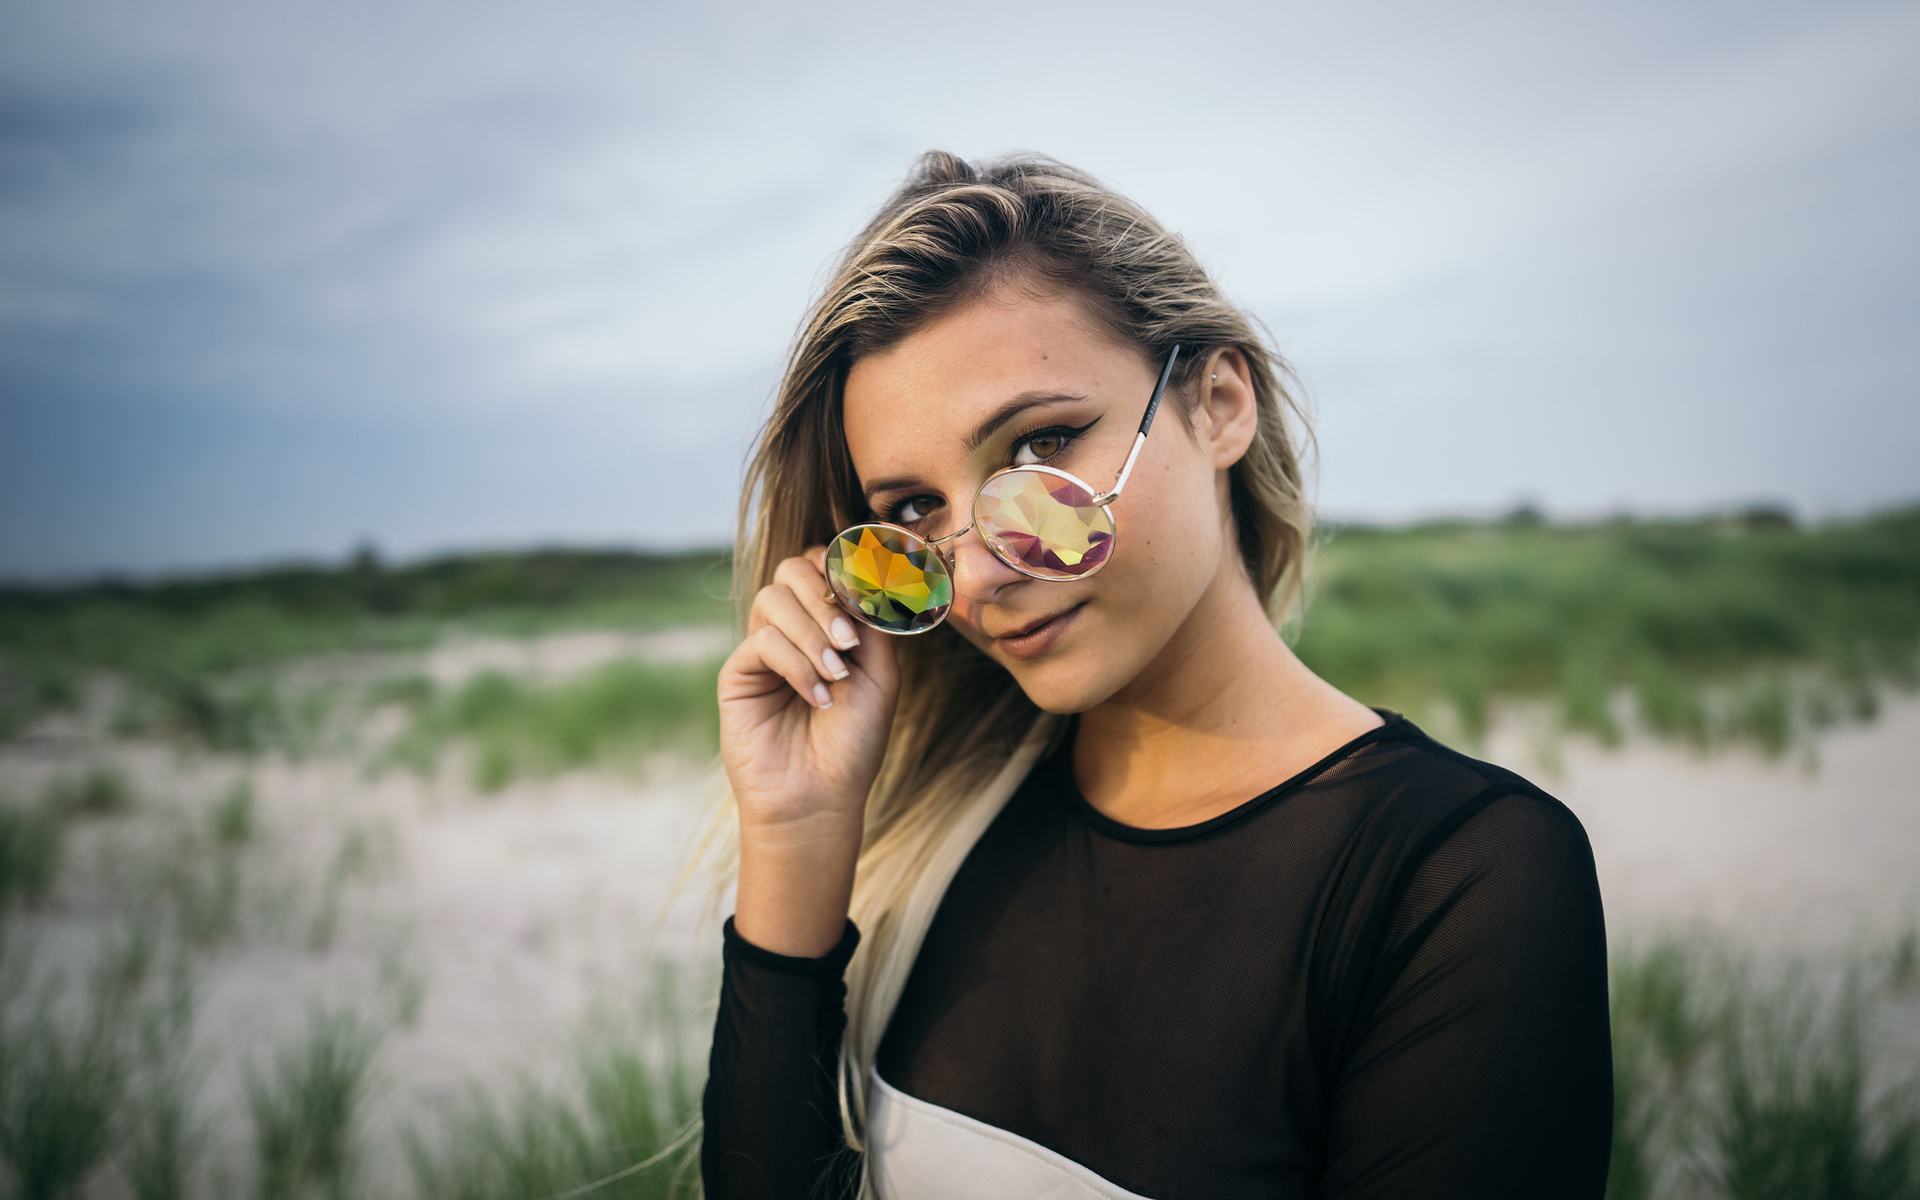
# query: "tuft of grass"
{"points": [[620, 710], [230, 715], [202, 887], [1795, 1117], [1661, 1032], [624, 1128], [1903, 960], [73, 1077], [100, 792], [354, 858], [1731, 1087], [61, 1081], [165, 1134], [306, 1110], [232, 819], [32, 840]]}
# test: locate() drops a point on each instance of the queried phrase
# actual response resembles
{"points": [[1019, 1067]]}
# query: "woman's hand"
{"points": [[806, 704]]}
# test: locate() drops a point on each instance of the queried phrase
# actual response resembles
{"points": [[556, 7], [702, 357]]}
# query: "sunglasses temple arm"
{"points": [[1140, 439]]}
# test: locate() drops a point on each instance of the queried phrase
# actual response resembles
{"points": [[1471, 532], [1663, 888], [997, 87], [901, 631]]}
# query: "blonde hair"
{"points": [[963, 733]]}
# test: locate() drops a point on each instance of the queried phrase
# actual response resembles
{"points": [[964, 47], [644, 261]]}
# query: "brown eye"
{"points": [[917, 509], [1040, 447]]}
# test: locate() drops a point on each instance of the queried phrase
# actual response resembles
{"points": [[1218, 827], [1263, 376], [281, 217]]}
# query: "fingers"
{"points": [[805, 576], [780, 656], [782, 610], [797, 630]]}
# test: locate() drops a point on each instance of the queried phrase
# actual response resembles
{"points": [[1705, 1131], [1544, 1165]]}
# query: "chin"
{"points": [[1064, 686]]}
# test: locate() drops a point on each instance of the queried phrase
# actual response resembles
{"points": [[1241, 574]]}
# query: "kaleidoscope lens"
{"points": [[889, 578], [1044, 523]]}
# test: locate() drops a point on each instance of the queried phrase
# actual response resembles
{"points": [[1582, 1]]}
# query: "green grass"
{"points": [[61, 1081], [514, 729], [99, 792], [1706, 631], [1702, 631], [183, 646], [96, 1073], [306, 1110], [1660, 1036], [622, 1127], [1735, 1085], [232, 819], [32, 840], [1795, 1116]]}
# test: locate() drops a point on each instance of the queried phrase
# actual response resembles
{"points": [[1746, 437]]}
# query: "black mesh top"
{"points": [[1385, 977]]}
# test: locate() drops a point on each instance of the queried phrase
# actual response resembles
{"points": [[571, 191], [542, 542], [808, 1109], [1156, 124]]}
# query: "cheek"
{"points": [[964, 616], [1172, 535]]}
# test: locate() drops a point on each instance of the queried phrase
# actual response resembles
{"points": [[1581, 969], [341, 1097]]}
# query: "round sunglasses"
{"points": [[1039, 520]]}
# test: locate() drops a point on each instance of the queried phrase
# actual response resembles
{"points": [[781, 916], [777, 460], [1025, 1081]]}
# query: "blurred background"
{"points": [[374, 387]]}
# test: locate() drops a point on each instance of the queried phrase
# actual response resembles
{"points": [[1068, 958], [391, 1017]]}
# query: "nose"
{"points": [[978, 574]]}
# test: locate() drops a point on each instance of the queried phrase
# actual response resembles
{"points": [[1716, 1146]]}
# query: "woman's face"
{"points": [[1023, 377]]}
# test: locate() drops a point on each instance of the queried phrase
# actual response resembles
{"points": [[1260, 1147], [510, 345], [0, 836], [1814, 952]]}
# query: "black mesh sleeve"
{"points": [[1481, 1062], [771, 1109]]}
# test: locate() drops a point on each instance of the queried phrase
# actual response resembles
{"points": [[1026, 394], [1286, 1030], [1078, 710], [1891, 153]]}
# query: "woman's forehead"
{"points": [[935, 388]]}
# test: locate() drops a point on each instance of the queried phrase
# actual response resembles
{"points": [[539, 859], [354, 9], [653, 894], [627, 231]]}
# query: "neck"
{"points": [[1223, 713]]}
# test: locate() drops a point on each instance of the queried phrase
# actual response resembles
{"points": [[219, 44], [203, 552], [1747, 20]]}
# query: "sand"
{"points": [[480, 931]]}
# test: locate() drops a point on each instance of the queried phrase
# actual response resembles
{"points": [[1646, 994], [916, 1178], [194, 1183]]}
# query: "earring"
{"points": [[1214, 378]]}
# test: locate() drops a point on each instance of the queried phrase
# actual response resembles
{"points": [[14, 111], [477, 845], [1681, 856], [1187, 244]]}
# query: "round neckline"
{"points": [[1392, 725]]}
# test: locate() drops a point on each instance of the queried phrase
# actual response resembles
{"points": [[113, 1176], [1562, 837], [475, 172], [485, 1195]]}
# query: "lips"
{"points": [[1036, 637]]}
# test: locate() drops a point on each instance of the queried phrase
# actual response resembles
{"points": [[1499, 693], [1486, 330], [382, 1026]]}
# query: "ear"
{"points": [[1227, 416]]}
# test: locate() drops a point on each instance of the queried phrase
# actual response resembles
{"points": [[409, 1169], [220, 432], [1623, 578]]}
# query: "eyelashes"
{"points": [[1062, 437], [1040, 444]]}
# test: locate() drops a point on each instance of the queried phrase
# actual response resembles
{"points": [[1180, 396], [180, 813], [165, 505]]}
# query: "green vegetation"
{"points": [[99, 792], [31, 842], [1731, 1085], [183, 647], [1702, 631], [623, 1127], [306, 1110], [33, 837], [59, 1083], [94, 1070], [231, 820], [620, 710], [1710, 630]]}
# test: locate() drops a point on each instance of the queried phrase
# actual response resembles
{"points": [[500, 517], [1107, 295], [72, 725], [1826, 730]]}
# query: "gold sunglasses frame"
{"points": [[1100, 500]]}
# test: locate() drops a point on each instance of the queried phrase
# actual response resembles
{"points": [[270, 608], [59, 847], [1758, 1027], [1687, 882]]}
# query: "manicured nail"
{"points": [[835, 667], [821, 696], [843, 634]]}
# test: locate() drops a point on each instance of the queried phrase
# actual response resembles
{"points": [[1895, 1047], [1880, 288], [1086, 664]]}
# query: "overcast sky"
{"points": [[278, 279]]}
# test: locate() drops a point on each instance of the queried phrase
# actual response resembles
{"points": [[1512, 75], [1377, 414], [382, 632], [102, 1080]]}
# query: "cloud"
{"points": [[276, 279]]}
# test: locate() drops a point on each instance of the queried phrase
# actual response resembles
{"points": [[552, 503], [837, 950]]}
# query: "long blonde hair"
{"points": [[963, 732]]}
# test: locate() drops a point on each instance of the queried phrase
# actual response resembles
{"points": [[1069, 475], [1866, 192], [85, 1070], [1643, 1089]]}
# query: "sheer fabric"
{"points": [[1385, 977]]}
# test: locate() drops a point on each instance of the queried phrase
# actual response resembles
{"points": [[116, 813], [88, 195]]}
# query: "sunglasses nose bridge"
{"points": [[941, 543]]}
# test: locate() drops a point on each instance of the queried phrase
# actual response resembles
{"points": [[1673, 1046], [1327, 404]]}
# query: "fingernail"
{"points": [[835, 667], [843, 634], [822, 696]]}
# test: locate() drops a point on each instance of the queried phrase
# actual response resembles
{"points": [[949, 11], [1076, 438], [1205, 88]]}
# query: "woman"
{"points": [[1089, 887]]}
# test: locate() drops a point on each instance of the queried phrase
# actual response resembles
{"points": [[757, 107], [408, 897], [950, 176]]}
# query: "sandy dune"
{"points": [[479, 931]]}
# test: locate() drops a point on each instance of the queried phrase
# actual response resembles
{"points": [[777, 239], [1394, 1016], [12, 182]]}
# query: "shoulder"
{"points": [[1451, 868], [1407, 795], [1431, 833]]}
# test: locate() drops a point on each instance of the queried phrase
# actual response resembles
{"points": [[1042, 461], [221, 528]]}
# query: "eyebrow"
{"points": [[986, 429]]}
